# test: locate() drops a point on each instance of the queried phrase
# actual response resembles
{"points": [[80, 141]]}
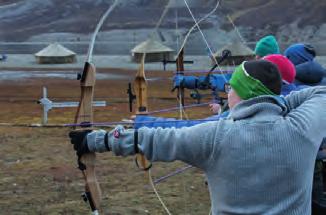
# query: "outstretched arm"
{"points": [[193, 145], [307, 111]]}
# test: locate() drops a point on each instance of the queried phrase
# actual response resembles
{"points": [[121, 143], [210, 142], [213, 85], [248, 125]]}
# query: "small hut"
{"points": [[239, 53], [155, 52], [55, 54]]}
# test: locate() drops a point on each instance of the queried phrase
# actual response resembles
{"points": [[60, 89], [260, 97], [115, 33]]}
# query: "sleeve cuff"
{"points": [[96, 141]]}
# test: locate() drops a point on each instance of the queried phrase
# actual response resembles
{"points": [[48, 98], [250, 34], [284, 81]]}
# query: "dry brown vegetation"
{"points": [[38, 173]]}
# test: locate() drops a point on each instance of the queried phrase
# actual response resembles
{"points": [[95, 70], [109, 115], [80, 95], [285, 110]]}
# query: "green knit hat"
{"points": [[266, 46], [247, 86]]}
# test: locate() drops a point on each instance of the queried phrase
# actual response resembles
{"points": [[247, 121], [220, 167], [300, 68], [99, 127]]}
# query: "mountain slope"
{"points": [[289, 20]]}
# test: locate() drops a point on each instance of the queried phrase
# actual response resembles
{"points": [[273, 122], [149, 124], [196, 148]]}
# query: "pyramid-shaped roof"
{"points": [[151, 46], [237, 49], [55, 50]]}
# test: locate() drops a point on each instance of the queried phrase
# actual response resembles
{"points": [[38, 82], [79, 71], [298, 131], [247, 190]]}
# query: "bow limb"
{"points": [[140, 88], [97, 29]]}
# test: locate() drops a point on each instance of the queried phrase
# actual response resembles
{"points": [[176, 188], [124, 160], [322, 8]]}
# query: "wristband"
{"points": [[136, 141], [106, 141]]}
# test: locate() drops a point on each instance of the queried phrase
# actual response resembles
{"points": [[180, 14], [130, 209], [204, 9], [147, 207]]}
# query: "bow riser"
{"points": [[87, 83], [140, 88]]}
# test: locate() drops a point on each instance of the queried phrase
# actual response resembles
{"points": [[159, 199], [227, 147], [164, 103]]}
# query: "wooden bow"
{"points": [[84, 116], [140, 88]]}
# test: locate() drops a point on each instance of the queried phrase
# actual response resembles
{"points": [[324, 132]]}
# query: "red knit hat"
{"points": [[284, 65]]}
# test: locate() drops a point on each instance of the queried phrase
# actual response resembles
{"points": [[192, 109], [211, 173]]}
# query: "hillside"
{"points": [[282, 17], [23, 19], [75, 20]]}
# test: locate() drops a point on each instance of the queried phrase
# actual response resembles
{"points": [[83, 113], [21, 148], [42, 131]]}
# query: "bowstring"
{"points": [[157, 194], [236, 29], [194, 26], [166, 9], [181, 108], [205, 40], [150, 178], [210, 52]]}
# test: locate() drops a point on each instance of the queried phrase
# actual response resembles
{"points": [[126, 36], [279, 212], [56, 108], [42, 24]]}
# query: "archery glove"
{"points": [[79, 140]]}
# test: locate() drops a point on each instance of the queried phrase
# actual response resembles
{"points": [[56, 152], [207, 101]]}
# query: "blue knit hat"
{"points": [[266, 46], [300, 53]]}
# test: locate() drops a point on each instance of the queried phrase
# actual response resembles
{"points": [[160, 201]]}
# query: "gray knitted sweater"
{"points": [[260, 160]]}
